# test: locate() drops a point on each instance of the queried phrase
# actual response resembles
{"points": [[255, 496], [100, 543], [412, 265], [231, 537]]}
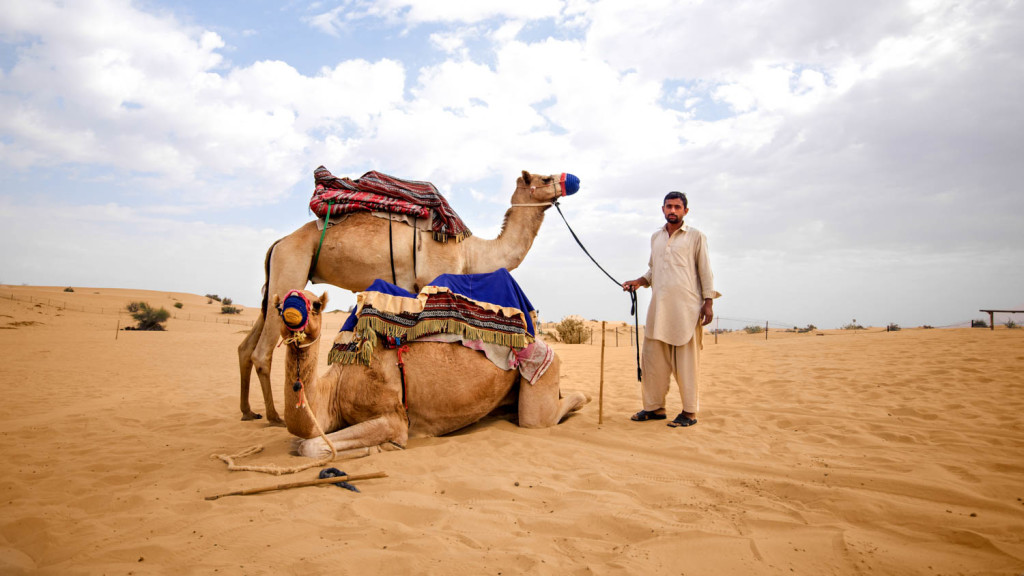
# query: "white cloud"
{"points": [[452, 43], [139, 93], [416, 12]]}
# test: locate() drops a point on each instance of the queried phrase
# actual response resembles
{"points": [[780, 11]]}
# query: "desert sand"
{"points": [[828, 452]]}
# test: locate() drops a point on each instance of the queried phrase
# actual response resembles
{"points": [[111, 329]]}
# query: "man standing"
{"points": [[679, 274]]}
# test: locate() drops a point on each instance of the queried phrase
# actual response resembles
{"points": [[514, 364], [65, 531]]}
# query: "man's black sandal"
{"points": [[682, 421], [644, 416]]}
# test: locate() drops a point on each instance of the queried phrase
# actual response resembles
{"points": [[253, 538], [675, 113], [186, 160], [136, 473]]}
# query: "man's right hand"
{"points": [[632, 285]]}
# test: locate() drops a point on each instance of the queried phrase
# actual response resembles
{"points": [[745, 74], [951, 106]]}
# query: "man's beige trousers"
{"points": [[661, 361]]}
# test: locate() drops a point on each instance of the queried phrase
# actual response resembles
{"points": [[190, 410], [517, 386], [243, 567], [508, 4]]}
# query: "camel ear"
{"points": [[526, 177], [320, 304]]}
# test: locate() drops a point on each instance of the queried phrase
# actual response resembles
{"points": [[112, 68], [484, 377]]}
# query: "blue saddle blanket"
{"points": [[498, 288]]}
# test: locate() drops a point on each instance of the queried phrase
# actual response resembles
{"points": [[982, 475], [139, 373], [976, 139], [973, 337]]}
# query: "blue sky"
{"points": [[845, 160]]}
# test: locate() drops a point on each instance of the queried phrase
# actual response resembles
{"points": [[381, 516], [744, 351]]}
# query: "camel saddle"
{"points": [[378, 192], [489, 308]]}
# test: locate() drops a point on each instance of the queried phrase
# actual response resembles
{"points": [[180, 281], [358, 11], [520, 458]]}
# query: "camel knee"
{"points": [[380, 430], [542, 408], [262, 366]]}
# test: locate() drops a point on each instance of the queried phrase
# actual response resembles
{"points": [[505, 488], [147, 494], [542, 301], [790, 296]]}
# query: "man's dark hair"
{"points": [[673, 195]]}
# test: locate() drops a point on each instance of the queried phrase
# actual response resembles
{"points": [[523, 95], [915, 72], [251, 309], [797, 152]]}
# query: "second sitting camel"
{"points": [[446, 386], [359, 250]]}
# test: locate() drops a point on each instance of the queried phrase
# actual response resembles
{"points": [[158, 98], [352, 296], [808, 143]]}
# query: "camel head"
{"points": [[301, 312], [536, 188]]}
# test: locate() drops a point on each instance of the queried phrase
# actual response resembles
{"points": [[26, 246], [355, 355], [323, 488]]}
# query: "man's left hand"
{"points": [[707, 314]]}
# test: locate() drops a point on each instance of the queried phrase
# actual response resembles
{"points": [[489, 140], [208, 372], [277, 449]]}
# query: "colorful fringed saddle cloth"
{"points": [[377, 192], [489, 308]]}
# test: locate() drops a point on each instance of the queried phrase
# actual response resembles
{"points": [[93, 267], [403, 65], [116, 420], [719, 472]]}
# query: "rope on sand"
{"points": [[274, 469], [278, 470]]}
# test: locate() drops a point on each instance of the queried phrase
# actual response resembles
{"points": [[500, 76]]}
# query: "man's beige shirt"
{"points": [[679, 273]]}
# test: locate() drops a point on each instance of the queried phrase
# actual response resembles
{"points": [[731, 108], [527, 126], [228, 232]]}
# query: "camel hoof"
{"points": [[251, 416]]}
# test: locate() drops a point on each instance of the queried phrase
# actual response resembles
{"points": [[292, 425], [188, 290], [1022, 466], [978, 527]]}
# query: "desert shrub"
{"points": [[178, 305], [979, 324], [230, 310], [853, 326], [1011, 324], [226, 301], [147, 317], [753, 329], [69, 289], [928, 327], [571, 330], [213, 297], [893, 327]]}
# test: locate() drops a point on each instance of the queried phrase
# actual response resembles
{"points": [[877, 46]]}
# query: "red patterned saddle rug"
{"points": [[378, 192]]}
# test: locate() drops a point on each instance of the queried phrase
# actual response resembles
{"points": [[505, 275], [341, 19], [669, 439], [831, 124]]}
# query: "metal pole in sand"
{"points": [[600, 394]]}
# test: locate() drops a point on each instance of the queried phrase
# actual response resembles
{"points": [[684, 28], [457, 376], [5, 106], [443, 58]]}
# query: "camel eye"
{"points": [[316, 306]]}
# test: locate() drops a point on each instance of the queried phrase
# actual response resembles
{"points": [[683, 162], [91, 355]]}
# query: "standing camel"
{"points": [[447, 387], [357, 251]]}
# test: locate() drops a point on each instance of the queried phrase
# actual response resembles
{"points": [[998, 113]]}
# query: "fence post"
{"points": [[765, 329], [600, 397]]}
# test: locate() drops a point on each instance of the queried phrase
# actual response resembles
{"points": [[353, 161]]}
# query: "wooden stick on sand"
{"points": [[600, 395], [314, 482]]}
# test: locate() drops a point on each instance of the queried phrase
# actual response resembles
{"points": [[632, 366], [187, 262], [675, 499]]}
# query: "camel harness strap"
{"points": [[401, 370]]}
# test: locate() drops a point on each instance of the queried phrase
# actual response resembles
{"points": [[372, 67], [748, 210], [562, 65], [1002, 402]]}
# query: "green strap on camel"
{"points": [[316, 257]]}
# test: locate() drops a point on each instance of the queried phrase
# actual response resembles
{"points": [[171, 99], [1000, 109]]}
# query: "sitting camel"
{"points": [[447, 387], [356, 251]]}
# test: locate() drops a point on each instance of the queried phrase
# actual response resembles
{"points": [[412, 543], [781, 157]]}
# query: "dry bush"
{"points": [[148, 318], [571, 330]]}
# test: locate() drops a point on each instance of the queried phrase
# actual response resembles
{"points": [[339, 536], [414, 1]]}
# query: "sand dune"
{"points": [[839, 453]]}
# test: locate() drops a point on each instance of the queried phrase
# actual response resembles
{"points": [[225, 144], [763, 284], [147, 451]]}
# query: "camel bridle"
{"points": [[555, 187]]}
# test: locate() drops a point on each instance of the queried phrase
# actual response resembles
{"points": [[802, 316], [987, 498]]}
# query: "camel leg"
{"points": [[380, 430], [288, 269], [245, 350], [262, 359], [540, 405]]}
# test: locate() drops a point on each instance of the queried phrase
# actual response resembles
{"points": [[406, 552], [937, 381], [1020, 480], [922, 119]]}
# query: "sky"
{"points": [[848, 161]]}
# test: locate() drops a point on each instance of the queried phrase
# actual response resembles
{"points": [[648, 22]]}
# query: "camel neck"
{"points": [[508, 250], [300, 366]]}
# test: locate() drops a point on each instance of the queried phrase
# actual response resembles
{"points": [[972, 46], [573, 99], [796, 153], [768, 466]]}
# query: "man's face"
{"points": [[674, 210]]}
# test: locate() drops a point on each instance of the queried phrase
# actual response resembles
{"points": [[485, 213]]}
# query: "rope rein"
{"points": [[302, 403], [634, 309], [296, 342]]}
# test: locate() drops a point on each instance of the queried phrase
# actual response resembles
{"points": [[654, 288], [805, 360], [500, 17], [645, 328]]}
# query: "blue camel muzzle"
{"points": [[295, 311], [570, 184]]}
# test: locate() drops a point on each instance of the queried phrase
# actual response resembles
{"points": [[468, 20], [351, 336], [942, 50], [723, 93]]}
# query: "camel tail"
{"points": [[266, 277]]}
